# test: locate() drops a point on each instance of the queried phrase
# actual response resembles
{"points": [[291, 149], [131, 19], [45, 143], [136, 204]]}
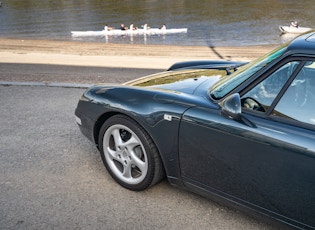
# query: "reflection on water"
{"points": [[209, 22]]}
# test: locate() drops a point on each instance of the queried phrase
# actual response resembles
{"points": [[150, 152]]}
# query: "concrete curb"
{"points": [[53, 84]]}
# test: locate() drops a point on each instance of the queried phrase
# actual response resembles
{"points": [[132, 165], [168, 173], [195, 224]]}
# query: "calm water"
{"points": [[209, 22]]}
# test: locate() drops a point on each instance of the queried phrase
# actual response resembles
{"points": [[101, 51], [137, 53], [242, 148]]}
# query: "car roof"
{"points": [[304, 44]]}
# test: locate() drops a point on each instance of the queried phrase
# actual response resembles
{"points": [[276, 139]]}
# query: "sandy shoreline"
{"points": [[118, 55]]}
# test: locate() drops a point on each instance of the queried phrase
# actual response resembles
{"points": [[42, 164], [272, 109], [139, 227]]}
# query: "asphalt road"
{"points": [[69, 74], [53, 178]]}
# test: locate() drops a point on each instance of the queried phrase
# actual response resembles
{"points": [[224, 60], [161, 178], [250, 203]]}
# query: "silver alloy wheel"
{"points": [[125, 154]]}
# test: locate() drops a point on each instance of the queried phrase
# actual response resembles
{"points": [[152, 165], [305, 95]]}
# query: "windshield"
{"points": [[230, 82]]}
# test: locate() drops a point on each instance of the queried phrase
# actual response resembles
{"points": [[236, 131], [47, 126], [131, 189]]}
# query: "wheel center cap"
{"points": [[124, 153]]}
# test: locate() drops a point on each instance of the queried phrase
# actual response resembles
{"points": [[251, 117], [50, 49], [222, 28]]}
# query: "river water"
{"points": [[209, 22]]}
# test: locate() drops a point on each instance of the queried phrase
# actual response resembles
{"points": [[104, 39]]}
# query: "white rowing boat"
{"points": [[151, 31], [294, 30]]}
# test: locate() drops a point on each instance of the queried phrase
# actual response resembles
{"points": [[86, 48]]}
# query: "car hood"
{"points": [[187, 81]]}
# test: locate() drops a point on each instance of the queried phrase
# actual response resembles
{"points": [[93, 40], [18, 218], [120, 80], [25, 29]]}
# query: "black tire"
{"points": [[129, 154]]}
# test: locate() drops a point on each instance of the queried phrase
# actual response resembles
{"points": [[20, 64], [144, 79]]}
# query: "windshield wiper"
{"points": [[234, 68]]}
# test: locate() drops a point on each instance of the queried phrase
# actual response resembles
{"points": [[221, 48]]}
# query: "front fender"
{"points": [[158, 112]]}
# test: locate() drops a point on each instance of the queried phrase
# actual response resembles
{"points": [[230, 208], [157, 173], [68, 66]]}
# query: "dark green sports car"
{"points": [[237, 132]]}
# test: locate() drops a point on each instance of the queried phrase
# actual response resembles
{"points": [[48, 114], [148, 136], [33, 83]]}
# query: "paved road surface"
{"points": [[53, 178], [69, 74]]}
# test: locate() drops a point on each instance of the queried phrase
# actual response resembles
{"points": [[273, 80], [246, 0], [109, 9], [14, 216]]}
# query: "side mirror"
{"points": [[231, 106]]}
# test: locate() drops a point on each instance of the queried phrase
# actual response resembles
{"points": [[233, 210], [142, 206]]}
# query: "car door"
{"points": [[266, 159]]}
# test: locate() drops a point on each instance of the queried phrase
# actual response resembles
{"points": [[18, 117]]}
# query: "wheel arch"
{"points": [[98, 124], [102, 119], [167, 147]]}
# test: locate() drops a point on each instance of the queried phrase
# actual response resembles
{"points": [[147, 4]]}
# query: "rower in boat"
{"points": [[123, 27], [145, 26], [107, 28], [131, 27], [294, 24]]}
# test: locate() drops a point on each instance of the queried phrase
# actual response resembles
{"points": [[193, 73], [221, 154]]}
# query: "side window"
{"points": [[298, 102], [262, 95]]}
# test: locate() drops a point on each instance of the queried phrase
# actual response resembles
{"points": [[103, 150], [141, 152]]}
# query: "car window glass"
{"points": [[298, 102], [262, 95], [228, 83]]}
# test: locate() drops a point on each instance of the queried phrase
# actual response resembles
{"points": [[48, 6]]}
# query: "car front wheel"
{"points": [[129, 153]]}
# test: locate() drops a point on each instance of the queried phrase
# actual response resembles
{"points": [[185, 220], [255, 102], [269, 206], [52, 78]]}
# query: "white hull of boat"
{"points": [[151, 31], [294, 30]]}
